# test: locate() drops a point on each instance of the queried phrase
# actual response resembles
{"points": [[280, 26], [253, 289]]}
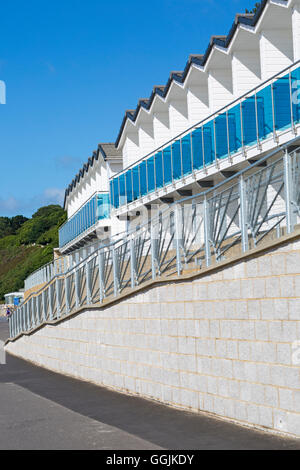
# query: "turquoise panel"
{"points": [[208, 140], [249, 121], [176, 159], [221, 135], [136, 182], [197, 149], [150, 174], [159, 169], [167, 165], [282, 102], [186, 154], [128, 182]]}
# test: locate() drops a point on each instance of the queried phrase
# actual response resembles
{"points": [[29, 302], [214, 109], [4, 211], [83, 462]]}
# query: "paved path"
{"points": [[43, 410]]}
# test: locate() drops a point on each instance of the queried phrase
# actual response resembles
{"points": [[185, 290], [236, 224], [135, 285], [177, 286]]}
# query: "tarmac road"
{"points": [[40, 409]]}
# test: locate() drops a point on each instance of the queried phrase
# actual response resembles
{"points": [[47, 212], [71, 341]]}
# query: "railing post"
{"points": [[88, 283], [33, 312], [67, 293], [12, 326], [243, 215], [58, 305], [101, 275], [206, 232], [178, 236], [27, 316], [288, 189], [133, 271], [154, 260], [76, 275], [115, 272]]}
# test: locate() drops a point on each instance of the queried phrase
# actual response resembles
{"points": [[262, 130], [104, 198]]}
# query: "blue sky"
{"points": [[72, 68]]}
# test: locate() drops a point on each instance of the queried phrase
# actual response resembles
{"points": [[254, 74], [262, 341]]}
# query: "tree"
{"points": [[254, 9]]}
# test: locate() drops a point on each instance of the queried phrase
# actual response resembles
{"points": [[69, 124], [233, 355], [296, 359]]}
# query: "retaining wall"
{"points": [[226, 343]]}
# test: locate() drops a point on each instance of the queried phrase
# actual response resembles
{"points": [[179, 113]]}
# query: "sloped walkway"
{"points": [[43, 410]]}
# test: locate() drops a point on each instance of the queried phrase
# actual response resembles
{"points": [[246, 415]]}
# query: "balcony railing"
{"points": [[95, 209], [221, 224], [263, 112]]}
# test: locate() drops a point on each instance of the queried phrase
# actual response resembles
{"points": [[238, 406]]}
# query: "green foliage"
{"points": [[254, 9], [10, 226], [26, 245]]}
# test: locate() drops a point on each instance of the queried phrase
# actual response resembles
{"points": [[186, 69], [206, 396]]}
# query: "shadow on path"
{"points": [[156, 423]]}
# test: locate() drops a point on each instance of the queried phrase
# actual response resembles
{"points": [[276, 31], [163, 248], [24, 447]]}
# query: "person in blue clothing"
{"points": [[8, 312]]}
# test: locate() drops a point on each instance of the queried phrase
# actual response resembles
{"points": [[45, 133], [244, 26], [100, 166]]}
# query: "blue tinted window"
{"points": [[167, 165], [282, 102], [122, 189], [197, 149], [221, 135], [209, 145], [186, 154], [176, 159], [234, 126], [150, 174], [265, 116], [116, 191], [136, 182], [249, 121], [128, 180], [143, 178], [159, 169]]}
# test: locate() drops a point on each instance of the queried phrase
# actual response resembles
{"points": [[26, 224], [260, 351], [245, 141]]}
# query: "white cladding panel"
{"points": [[220, 88], [276, 51], [245, 71], [296, 31]]}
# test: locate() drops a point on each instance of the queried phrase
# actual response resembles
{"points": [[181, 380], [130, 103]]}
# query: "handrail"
{"points": [[244, 213], [208, 118], [204, 196]]}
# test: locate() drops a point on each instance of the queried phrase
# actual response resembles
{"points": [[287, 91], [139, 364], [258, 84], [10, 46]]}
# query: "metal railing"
{"points": [[86, 217], [259, 203], [264, 112]]}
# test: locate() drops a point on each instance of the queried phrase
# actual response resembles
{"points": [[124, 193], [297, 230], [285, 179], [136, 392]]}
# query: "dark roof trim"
{"points": [[103, 150], [248, 19]]}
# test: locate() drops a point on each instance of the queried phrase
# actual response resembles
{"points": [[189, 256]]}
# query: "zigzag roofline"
{"points": [[248, 19], [100, 150]]}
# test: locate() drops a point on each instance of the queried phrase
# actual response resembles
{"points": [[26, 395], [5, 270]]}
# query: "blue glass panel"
{"points": [[249, 121], [122, 189], [186, 155], [102, 206], [143, 178], [221, 135], [159, 169], [265, 116], [176, 160], [208, 139], [282, 102], [197, 149], [150, 174], [234, 127], [128, 179], [295, 79], [136, 182], [111, 191], [167, 165], [116, 192]]}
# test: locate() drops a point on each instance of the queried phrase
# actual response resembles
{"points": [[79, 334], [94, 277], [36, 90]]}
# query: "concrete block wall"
{"points": [[226, 343]]}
